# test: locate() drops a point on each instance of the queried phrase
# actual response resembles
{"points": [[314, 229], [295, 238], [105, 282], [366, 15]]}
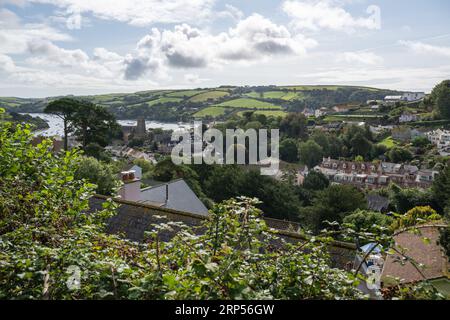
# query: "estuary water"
{"points": [[56, 127]]}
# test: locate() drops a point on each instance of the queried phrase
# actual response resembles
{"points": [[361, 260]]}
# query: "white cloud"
{"points": [[6, 64], [361, 57], [252, 39], [192, 78], [423, 48], [231, 12], [328, 14], [135, 12], [14, 37], [408, 78]]}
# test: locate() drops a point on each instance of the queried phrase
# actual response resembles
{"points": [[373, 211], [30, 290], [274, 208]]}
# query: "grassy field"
{"points": [[205, 96], [287, 96], [247, 103], [293, 96], [210, 111], [163, 100]]}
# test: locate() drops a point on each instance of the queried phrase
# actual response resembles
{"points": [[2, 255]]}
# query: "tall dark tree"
{"points": [[333, 204], [315, 181], [441, 98], [310, 153], [289, 150], [294, 125], [360, 145], [63, 108], [93, 124], [441, 188]]}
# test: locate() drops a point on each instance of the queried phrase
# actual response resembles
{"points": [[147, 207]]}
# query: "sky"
{"points": [[59, 47]]}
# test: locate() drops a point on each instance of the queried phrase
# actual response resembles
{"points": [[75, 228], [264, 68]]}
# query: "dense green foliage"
{"points": [[441, 98], [310, 153], [441, 188], [417, 215], [332, 204], [362, 220], [98, 173], [51, 249], [289, 150]]}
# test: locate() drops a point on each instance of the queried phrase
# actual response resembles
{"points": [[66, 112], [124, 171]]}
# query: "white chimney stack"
{"points": [[131, 189]]}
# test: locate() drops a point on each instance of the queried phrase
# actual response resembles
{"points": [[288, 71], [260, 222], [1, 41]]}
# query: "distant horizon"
{"points": [[208, 88]]}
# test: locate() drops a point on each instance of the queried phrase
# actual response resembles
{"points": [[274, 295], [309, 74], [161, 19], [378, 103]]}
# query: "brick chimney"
{"points": [[131, 189]]}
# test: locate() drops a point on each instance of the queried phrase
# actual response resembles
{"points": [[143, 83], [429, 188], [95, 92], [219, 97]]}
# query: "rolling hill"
{"points": [[214, 103]]}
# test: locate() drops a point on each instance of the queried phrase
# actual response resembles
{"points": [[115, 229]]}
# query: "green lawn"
{"points": [[291, 95], [205, 96], [210, 111], [163, 100], [247, 103]]}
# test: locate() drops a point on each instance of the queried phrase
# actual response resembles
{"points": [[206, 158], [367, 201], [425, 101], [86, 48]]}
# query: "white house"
{"points": [[441, 139], [393, 98], [407, 96], [413, 96], [320, 112]]}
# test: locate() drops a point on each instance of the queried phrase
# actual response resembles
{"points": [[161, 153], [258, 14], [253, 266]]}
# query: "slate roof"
{"points": [[180, 197], [430, 255], [377, 203]]}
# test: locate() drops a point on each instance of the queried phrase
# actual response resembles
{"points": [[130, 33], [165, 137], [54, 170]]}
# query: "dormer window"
{"points": [[353, 167], [344, 166]]}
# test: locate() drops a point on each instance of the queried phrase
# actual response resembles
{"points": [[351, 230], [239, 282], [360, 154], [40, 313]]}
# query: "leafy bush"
{"points": [[416, 216]]}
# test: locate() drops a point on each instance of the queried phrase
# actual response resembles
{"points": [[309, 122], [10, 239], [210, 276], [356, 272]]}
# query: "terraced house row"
{"points": [[375, 175]]}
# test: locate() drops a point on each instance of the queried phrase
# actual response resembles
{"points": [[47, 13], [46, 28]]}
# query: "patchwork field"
{"points": [[210, 95], [163, 100], [247, 103], [283, 95], [211, 111]]}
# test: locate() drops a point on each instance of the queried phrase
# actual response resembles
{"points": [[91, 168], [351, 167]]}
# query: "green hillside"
{"points": [[247, 103], [219, 103]]}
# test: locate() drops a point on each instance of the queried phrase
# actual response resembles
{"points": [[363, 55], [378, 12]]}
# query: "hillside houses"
{"points": [[373, 176], [405, 133], [406, 97], [441, 139]]}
